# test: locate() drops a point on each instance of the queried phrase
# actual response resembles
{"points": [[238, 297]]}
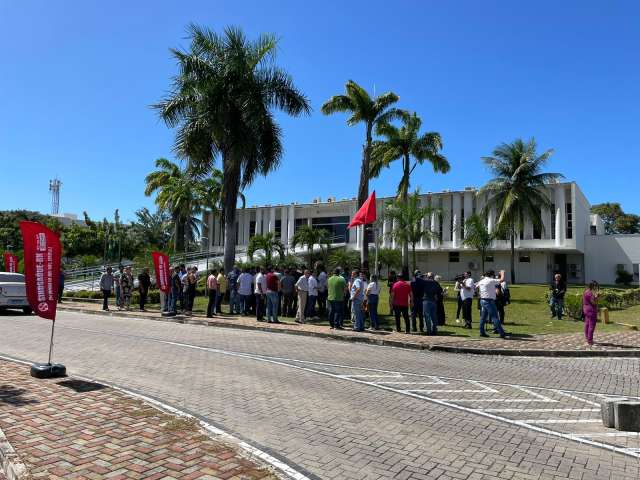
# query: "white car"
{"points": [[13, 293]]}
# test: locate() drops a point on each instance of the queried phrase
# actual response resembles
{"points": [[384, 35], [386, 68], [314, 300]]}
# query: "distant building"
{"points": [[572, 241], [67, 219]]}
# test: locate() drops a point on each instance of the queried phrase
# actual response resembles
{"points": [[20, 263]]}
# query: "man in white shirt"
{"points": [[322, 290], [467, 287], [302, 287], [260, 292], [244, 290], [488, 310], [312, 297]]}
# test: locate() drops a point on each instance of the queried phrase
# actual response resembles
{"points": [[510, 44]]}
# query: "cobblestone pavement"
{"points": [[351, 411], [72, 429], [611, 341]]}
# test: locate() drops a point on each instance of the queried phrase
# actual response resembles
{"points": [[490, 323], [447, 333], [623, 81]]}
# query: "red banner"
{"points": [[161, 264], [10, 262], [42, 253]]}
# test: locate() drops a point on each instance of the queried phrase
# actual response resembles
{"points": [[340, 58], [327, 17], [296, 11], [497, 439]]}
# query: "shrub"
{"points": [[623, 277]]}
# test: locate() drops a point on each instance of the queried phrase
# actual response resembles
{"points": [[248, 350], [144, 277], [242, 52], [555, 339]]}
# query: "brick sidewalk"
{"points": [[66, 429], [626, 342]]}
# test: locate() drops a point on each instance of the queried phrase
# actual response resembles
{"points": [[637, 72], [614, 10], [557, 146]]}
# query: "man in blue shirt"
{"points": [[430, 303]]}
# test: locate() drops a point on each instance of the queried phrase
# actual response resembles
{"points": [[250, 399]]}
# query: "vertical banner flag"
{"points": [[10, 262], [42, 252], [161, 265], [367, 212]]}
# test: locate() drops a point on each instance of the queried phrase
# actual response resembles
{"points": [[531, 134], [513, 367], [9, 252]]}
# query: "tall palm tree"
{"points": [[222, 103], [177, 193], [407, 217], [517, 189], [154, 228], [403, 143], [370, 111], [268, 243], [307, 236]]}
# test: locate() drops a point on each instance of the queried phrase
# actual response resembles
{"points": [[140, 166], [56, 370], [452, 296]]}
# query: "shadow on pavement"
{"points": [[14, 396]]}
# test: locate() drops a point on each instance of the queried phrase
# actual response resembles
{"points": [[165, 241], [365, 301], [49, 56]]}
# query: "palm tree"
{"points": [[344, 258], [268, 243], [154, 227], [307, 236], [407, 217], [402, 143], [477, 236], [390, 258], [517, 190], [222, 103], [178, 194], [371, 112]]}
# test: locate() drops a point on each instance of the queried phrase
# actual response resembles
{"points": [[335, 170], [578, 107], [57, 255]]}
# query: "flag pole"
{"points": [[375, 243], [53, 325]]}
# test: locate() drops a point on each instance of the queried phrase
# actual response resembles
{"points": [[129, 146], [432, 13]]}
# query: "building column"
{"points": [[258, 226], [291, 224], [283, 225], [385, 232], [272, 219], [434, 227], [210, 232], [246, 227], [560, 221], [468, 207], [446, 218], [456, 207], [546, 218]]}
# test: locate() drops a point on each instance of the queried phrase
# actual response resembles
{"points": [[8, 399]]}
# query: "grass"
{"points": [[528, 314]]}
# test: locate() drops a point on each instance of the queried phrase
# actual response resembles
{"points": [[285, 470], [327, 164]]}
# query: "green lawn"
{"points": [[527, 314]]}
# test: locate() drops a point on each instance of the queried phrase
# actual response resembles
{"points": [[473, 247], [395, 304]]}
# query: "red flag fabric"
{"points": [[161, 265], [366, 214], [10, 262], [42, 252]]}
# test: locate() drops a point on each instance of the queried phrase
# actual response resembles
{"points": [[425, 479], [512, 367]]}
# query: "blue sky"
{"points": [[78, 78]]}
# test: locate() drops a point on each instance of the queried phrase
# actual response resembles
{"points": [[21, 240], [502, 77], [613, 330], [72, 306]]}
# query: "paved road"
{"points": [[349, 411]]}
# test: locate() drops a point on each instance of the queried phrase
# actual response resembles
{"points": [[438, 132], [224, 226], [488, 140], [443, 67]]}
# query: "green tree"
{"points": [[177, 193], [344, 258], [408, 224], [372, 112], [222, 103], [390, 258], [477, 236], [267, 243], [516, 190], [154, 228], [309, 237], [404, 143], [615, 220]]}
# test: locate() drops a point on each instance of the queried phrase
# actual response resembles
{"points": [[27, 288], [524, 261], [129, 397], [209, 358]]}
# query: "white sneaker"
{"points": [[457, 320]]}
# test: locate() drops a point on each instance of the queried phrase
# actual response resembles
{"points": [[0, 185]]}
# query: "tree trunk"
{"points": [[413, 251], [482, 255], [231, 188], [404, 196], [363, 193], [179, 235], [513, 254]]}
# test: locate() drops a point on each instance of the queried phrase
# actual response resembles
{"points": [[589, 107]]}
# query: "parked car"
{"points": [[13, 293]]}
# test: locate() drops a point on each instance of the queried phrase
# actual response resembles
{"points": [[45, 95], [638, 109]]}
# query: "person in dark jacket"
{"points": [[144, 282], [417, 289], [558, 289]]}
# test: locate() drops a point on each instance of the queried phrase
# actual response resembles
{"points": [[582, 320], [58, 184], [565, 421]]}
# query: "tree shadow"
{"points": [[14, 396]]}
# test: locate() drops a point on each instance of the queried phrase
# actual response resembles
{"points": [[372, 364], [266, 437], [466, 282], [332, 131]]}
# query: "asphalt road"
{"points": [[338, 410]]}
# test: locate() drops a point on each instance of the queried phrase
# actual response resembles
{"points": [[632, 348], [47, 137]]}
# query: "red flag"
{"points": [[10, 262], [42, 253], [367, 212], [161, 265]]}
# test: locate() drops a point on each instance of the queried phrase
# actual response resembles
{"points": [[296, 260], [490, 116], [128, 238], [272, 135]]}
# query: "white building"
{"points": [[572, 241]]}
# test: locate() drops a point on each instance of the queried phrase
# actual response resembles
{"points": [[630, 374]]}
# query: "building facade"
{"points": [[571, 242]]}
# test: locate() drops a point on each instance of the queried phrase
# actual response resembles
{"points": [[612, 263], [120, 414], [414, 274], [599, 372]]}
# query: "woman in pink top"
{"points": [[590, 310]]}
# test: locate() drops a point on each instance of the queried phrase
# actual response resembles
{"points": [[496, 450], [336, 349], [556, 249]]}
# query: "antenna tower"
{"points": [[54, 188]]}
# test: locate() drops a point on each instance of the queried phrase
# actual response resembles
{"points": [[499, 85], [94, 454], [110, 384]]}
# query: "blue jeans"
{"points": [[336, 313], [556, 305], [373, 311], [273, 300], [118, 296], [234, 301], [430, 312], [173, 301], [244, 304], [311, 306], [357, 314], [489, 311]]}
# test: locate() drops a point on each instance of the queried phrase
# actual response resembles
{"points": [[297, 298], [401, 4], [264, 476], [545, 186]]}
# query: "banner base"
{"points": [[48, 370]]}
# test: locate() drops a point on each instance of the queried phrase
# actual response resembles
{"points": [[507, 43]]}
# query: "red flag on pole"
{"points": [[161, 265], [10, 262], [366, 214], [42, 252]]}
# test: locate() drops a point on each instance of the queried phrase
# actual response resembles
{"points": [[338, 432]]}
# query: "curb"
{"points": [[10, 463], [635, 353]]}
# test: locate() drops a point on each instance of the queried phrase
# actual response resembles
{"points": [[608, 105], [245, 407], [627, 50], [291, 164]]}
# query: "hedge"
{"points": [[611, 298]]}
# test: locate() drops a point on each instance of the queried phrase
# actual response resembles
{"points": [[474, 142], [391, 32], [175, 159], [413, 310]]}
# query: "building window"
{"points": [[524, 259], [252, 229], [574, 271], [440, 225], [454, 257], [569, 221], [278, 229], [336, 226], [594, 230], [299, 223], [462, 219], [488, 258], [522, 234], [537, 229], [553, 221]]}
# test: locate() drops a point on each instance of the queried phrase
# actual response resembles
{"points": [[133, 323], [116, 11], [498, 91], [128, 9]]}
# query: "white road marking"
{"points": [[502, 400], [528, 410], [370, 376], [562, 420], [533, 394], [447, 391], [570, 395], [448, 403], [410, 383], [607, 434]]}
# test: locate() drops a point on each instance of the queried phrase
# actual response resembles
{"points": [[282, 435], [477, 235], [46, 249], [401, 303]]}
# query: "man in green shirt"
{"points": [[336, 286]]}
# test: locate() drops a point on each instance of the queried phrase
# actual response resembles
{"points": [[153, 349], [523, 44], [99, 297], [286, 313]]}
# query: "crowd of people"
{"points": [[310, 293]]}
